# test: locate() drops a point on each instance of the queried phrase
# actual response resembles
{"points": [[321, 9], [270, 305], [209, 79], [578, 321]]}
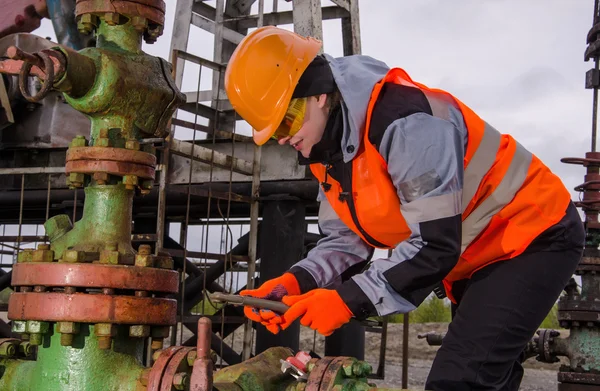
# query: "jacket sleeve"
{"points": [[425, 162], [339, 255]]}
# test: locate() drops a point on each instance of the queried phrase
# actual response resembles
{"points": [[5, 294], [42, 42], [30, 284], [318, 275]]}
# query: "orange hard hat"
{"points": [[262, 74]]}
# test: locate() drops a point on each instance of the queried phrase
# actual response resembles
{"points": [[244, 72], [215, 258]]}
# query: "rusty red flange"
{"points": [[111, 167], [178, 363], [153, 10], [95, 276], [92, 308], [156, 373], [109, 153]]}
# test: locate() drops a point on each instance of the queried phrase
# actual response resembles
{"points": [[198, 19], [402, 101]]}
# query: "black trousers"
{"points": [[500, 308]]}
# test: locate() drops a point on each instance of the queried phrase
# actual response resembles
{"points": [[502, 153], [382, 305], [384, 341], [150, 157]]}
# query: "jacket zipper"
{"points": [[346, 196]]}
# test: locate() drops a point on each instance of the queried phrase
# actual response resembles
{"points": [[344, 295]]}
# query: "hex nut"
{"points": [[105, 330], [25, 256], [109, 257], [139, 23], [191, 357], [143, 260], [73, 256], [76, 179], [37, 327], [130, 181], [145, 249], [19, 326], [102, 142], [132, 144], [156, 355], [164, 262], [8, 348], [139, 331], [100, 177], [67, 327], [42, 256], [112, 18], [78, 141], [179, 380], [43, 246], [57, 226]]}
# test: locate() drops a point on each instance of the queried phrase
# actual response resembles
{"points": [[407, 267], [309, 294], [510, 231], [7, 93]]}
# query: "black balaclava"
{"points": [[318, 79]]}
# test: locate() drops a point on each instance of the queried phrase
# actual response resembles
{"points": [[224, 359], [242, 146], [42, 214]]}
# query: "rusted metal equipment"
{"points": [[88, 300], [580, 310]]}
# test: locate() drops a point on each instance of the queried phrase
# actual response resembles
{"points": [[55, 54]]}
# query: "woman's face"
{"points": [[312, 128]]}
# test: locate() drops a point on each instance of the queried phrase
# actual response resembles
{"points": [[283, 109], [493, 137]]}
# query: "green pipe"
{"points": [[82, 366]]}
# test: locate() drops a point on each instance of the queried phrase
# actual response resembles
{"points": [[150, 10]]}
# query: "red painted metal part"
{"points": [[109, 153], [178, 363], [110, 167], [95, 276], [202, 378], [92, 308], [150, 9], [156, 373]]}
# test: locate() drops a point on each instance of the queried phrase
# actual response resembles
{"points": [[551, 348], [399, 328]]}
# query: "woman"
{"points": [[409, 168]]}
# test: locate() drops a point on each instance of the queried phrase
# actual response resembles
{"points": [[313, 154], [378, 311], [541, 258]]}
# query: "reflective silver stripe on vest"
{"points": [[480, 163], [440, 104], [476, 222]]}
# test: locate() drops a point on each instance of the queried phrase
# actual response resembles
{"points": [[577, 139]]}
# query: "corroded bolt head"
{"points": [[132, 144], [43, 246], [179, 380], [139, 331], [73, 256], [35, 326], [42, 255], [144, 377], [111, 18], [109, 257], [145, 249], [19, 326], [157, 343], [130, 181], [78, 141], [139, 23], [25, 348], [102, 142], [103, 133], [67, 327], [76, 179], [347, 367], [105, 330], [25, 256], [100, 177], [143, 260]]}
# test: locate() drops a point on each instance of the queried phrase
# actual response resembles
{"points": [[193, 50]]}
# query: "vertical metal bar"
{"points": [[187, 208], [253, 237], [275, 5], [20, 212], [595, 93], [405, 352], [75, 206], [48, 198], [180, 37], [308, 20], [163, 174], [351, 30], [382, 348]]}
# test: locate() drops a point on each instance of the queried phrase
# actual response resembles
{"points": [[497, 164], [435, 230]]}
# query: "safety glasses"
{"points": [[293, 119]]}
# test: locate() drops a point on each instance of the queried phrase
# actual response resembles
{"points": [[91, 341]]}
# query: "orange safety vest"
{"points": [[509, 196]]}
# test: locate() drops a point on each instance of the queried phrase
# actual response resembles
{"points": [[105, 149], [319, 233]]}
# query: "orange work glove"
{"points": [[274, 289], [321, 309]]}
